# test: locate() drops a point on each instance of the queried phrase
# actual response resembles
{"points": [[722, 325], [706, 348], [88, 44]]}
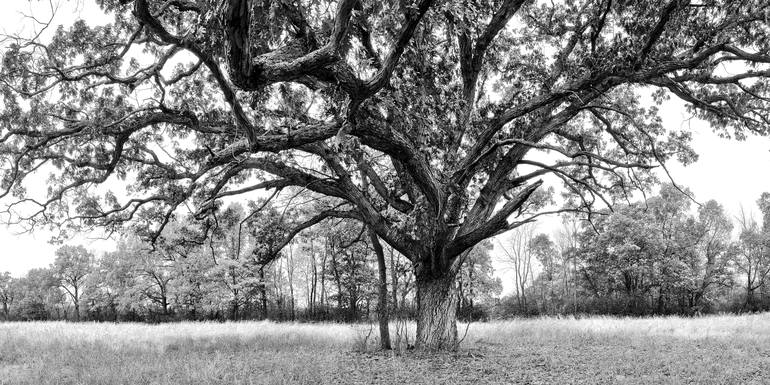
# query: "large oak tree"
{"points": [[431, 122]]}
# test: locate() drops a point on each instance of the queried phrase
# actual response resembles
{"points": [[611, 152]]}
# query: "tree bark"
{"points": [[436, 313]]}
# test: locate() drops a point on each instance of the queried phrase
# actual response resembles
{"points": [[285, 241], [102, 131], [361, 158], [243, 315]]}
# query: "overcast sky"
{"points": [[729, 171]]}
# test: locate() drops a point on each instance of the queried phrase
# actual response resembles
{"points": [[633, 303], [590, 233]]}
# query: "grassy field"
{"points": [[709, 350]]}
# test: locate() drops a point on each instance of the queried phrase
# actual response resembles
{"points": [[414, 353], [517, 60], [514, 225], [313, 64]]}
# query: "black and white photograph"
{"points": [[384, 192]]}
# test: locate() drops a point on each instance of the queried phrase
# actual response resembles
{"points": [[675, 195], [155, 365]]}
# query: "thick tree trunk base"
{"points": [[436, 314]]}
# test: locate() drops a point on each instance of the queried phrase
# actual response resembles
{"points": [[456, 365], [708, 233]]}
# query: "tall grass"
{"points": [[161, 337], [268, 352], [334, 336], [751, 327]]}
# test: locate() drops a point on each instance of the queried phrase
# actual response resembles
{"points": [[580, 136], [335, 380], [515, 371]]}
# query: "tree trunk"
{"points": [[236, 305], [76, 299], [314, 281], [382, 292], [574, 285], [436, 313], [338, 281], [323, 283], [290, 277], [263, 291], [164, 303], [278, 287], [308, 294], [749, 304]]}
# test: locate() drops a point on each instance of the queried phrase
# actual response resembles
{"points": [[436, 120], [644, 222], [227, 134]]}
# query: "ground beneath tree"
{"points": [[570, 362], [712, 350]]}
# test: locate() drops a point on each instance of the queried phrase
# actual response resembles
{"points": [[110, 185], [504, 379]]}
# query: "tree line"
{"points": [[657, 256], [660, 255], [327, 274]]}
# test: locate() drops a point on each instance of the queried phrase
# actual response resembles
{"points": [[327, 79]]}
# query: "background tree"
{"points": [[476, 283], [545, 253], [709, 270], [519, 253], [402, 283], [100, 291], [657, 256], [41, 296], [70, 268], [8, 292], [230, 250], [152, 274], [566, 241], [752, 260]]}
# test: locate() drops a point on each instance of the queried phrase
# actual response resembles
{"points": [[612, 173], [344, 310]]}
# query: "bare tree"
{"points": [[753, 259], [567, 244], [519, 255]]}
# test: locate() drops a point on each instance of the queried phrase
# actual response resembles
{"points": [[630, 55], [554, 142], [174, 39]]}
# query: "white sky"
{"points": [[729, 171]]}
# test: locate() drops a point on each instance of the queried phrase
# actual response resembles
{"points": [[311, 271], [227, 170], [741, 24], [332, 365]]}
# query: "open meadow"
{"points": [[673, 350]]}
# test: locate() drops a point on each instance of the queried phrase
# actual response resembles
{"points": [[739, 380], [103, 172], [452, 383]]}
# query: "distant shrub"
{"points": [[30, 310], [474, 313]]}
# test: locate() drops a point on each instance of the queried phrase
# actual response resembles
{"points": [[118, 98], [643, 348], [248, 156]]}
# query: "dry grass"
{"points": [[709, 350]]}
